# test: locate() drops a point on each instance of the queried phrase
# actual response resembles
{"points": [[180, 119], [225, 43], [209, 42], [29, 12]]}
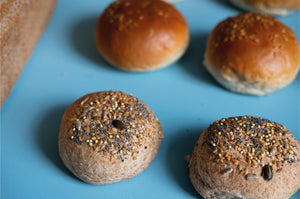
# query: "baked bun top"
{"points": [[255, 48], [253, 140], [112, 123], [248, 156], [291, 4], [141, 35], [271, 7]]}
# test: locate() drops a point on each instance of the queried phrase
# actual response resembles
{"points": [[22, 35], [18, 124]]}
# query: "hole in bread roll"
{"points": [[118, 124]]}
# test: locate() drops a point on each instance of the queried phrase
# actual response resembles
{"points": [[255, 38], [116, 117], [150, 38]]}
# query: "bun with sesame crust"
{"points": [[107, 137], [252, 54], [141, 35], [246, 157], [269, 7]]}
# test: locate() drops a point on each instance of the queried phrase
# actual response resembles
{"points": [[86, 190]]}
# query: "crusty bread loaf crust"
{"points": [[141, 35], [246, 157], [252, 54], [106, 137], [269, 7], [21, 24]]}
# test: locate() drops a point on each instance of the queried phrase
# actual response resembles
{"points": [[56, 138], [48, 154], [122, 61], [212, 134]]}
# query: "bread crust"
{"points": [[219, 171], [141, 35], [269, 7], [21, 25], [253, 54], [99, 151]]}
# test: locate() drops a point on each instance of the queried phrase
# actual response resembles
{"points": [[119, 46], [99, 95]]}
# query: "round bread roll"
{"points": [[246, 157], [141, 35], [269, 7], [107, 137], [252, 54]]}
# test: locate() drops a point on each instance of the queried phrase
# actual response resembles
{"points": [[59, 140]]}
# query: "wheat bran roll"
{"points": [[246, 157], [252, 54], [269, 7], [141, 35], [107, 137]]}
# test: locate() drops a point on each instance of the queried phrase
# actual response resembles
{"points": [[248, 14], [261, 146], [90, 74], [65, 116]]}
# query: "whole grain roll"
{"points": [[141, 35], [269, 7], [252, 54], [107, 137], [246, 157]]}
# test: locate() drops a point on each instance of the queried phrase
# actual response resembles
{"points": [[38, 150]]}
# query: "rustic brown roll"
{"points": [[252, 54], [21, 25], [106, 137], [269, 7], [141, 35], [246, 157]]}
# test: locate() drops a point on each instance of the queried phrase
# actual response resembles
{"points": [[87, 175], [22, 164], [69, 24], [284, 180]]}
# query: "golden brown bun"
{"points": [[246, 157], [269, 7], [108, 136], [252, 54], [21, 25], [141, 35]]}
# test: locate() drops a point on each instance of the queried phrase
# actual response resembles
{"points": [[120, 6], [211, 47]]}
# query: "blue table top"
{"points": [[66, 65]]}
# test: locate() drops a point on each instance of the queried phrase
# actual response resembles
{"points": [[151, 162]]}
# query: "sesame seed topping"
{"points": [[248, 139]]}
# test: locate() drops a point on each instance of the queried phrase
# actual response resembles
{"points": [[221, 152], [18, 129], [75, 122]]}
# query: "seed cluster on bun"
{"points": [[246, 157], [259, 142], [107, 137], [141, 35], [252, 54], [269, 7]]}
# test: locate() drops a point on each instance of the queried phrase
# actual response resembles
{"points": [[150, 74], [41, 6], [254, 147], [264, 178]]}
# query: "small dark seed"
{"points": [[118, 124], [267, 172]]}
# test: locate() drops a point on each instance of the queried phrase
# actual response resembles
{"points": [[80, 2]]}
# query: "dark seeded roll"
{"points": [[246, 157], [108, 136]]}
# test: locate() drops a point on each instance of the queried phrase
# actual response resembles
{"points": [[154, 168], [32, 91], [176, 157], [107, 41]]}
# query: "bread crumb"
{"points": [[187, 158]]}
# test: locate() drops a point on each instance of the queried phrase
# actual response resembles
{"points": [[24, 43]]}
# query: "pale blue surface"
{"points": [[184, 96]]}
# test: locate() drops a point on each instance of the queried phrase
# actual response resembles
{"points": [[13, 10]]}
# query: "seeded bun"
{"points": [[252, 54], [246, 157], [107, 137], [269, 7], [141, 35]]}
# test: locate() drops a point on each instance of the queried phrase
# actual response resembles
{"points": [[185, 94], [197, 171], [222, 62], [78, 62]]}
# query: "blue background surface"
{"points": [[66, 65]]}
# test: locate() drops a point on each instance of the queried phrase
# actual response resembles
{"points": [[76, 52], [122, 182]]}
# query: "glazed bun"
{"points": [[141, 35], [246, 157], [252, 54], [107, 137], [269, 7]]}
